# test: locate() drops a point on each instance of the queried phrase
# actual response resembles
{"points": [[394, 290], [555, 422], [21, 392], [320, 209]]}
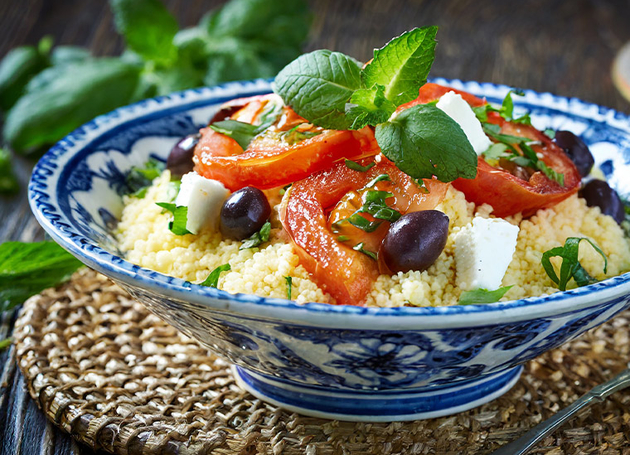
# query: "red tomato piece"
{"points": [[507, 191], [312, 205], [273, 159]]}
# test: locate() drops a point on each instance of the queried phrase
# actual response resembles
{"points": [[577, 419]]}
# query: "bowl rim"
{"points": [[43, 199]]}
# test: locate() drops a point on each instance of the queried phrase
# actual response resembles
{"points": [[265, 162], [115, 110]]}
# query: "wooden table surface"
{"points": [[563, 47]]}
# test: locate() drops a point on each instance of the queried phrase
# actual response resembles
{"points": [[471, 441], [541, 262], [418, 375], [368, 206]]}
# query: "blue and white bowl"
{"points": [[345, 362]]}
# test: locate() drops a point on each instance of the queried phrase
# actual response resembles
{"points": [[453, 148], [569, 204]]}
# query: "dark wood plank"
{"points": [[546, 45]]}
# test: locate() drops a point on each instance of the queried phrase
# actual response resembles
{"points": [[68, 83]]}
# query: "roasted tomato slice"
{"points": [[314, 204], [290, 150], [508, 188]]}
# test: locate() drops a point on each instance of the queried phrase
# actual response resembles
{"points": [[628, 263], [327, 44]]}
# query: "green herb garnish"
{"points": [[293, 136], [213, 279], [138, 179], [258, 238], [243, 132], [357, 167], [571, 267], [374, 204], [180, 217], [359, 247], [378, 178], [362, 223], [331, 90], [289, 281], [527, 158], [343, 238], [506, 110], [480, 296], [28, 268], [550, 133]]}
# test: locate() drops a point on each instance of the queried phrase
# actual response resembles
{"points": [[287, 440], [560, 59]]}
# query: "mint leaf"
{"points": [[258, 238], [8, 181], [76, 94], [28, 268], [148, 29], [279, 27], [62, 55], [480, 296], [180, 217], [318, 86], [213, 279], [357, 167], [571, 267], [246, 39], [424, 142], [289, 281], [403, 64], [369, 107], [16, 69]]}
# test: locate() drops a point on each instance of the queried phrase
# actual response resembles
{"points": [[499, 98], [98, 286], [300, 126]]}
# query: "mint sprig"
{"points": [[330, 90]]}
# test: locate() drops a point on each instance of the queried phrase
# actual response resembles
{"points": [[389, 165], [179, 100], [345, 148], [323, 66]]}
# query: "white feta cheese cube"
{"points": [[483, 252], [204, 199], [459, 110]]}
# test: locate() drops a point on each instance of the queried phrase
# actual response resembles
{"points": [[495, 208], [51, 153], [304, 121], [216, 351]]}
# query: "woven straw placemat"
{"points": [[117, 378]]}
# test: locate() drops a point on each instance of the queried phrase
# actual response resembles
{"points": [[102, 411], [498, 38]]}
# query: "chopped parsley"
{"points": [[360, 247], [294, 135], [213, 279], [357, 167], [289, 281], [481, 296], [258, 238], [180, 217], [243, 132], [571, 267]]}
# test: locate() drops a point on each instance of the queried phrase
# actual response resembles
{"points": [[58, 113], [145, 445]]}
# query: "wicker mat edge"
{"points": [[117, 378]]}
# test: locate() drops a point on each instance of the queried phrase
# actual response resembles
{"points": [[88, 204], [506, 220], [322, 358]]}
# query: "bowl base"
{"points": [[376, 406]]}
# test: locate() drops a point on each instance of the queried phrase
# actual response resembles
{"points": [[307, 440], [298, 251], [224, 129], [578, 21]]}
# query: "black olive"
{"points": [[244, 213], [577, 150], [180, 160], [415, 241], [599, 193]]}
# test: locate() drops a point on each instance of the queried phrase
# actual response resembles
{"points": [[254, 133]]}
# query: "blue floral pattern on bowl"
{"points": [[354, 363]]}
